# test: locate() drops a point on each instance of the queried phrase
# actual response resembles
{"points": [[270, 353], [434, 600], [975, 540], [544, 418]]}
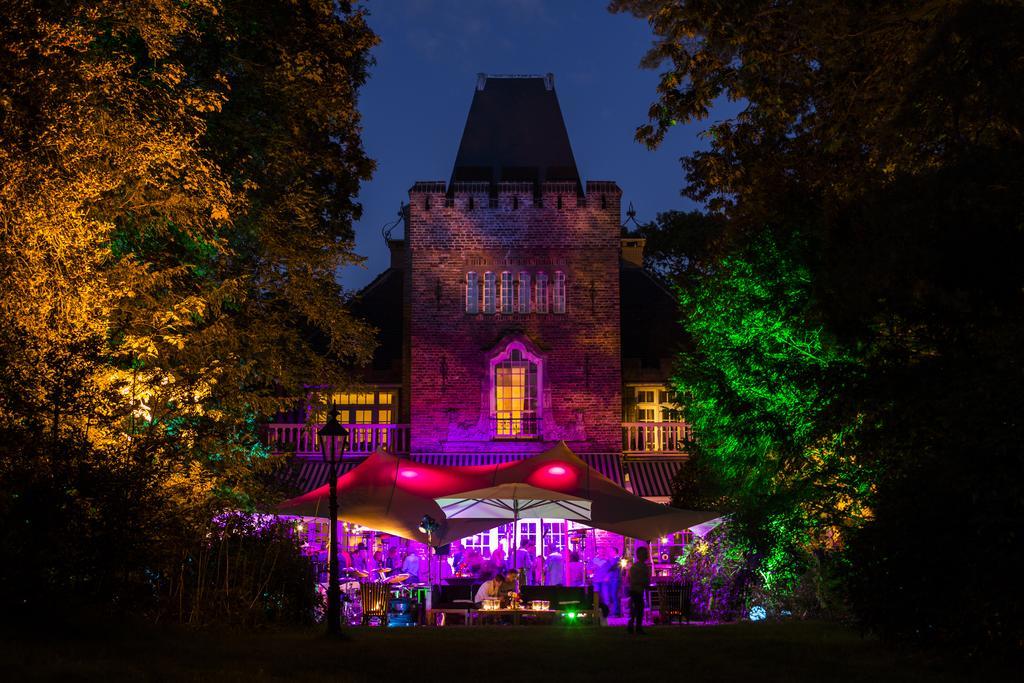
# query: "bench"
{"points": [[453, 600]]}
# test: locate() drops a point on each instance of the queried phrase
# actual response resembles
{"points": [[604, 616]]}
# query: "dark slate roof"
{"points": [[515, 132], [651, 335], [380, 304]]}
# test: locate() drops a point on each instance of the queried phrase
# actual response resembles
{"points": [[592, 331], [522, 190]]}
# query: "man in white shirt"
{"points": [[554, 574], [490, 588], [498, 587], [411, 566]]}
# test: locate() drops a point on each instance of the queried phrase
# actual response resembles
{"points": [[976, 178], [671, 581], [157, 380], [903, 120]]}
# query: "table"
{"points": [[546, 615]]}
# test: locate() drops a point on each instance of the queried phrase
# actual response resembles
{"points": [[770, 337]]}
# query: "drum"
{"points": [[402, 611]]}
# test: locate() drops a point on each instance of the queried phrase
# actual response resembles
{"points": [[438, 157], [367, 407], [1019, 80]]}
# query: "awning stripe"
{"points": [[468, 459], [652, 478], [608, 464], [311, 474]]}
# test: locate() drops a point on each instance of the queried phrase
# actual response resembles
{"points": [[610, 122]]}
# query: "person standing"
{"points": [[538, 570], [359, 558], [498, 560], [615, 567], [554, 574], [639, 581], [392, 562], [575, 569], [411, 566], [524, 559]]}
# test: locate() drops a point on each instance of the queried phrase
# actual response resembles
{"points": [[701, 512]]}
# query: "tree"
{"points": [[889, 141], [177, 193]]}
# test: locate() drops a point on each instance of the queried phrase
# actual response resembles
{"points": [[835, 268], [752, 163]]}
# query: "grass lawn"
{"points": [[795, 651]]}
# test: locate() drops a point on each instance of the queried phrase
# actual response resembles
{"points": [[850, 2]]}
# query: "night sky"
{"points": [[415, 103]]}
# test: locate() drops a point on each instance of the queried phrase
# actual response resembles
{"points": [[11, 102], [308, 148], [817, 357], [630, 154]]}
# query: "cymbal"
{"points": [[382, 570], [360, 573], [397, 578]]}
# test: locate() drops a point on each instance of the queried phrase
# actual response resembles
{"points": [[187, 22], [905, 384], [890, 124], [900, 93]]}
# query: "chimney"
{"points": [[633, 251], [397, 247]]}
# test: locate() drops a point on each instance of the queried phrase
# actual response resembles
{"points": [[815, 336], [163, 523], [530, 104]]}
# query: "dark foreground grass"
{"points": [[796, 651]]}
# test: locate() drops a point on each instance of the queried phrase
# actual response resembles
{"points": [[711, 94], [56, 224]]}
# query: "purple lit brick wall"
{"points": [[448, 369]]}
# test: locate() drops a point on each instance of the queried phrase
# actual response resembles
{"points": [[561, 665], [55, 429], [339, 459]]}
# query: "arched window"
{"points": [[506, 291], [558, 305], [472, 292], [524, 292], [542, 292], [516, 389], [488, 292]]}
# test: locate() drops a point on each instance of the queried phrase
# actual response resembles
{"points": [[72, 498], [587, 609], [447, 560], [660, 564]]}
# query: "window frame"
{"points": [[560, 294], [489, 292], [505, 292], [523, 298], [541, 305], [472, 292], [500, 357]]}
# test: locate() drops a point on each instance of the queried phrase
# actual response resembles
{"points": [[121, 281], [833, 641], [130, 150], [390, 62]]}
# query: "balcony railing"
{"points": [[655, 437], [637, 437], [523, 427], [363, 439]]}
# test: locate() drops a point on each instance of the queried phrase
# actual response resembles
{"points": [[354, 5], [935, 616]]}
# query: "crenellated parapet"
{"points": [[511, 196]]}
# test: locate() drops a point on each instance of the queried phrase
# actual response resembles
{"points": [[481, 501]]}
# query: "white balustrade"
{"points": [[655, 437], [363, 439]]}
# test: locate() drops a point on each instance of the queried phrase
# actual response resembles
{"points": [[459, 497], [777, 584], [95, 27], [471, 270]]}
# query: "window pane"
{"points": [[506, 292], [472, 293], [524, 292], [559, 302], [488, 292], [542, 292]]}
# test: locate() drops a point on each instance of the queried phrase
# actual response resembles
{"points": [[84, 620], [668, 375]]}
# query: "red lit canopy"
{"points": [[393, 494]]}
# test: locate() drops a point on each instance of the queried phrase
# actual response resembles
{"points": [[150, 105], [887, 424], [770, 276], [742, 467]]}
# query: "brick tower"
{"points": [[513, 291]]}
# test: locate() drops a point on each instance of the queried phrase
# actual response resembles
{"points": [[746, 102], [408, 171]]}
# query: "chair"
{"points": [[374, 601], [673, 602]]}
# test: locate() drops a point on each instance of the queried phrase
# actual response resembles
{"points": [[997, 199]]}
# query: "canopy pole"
{"points": [[565, 552], [515, 540]]}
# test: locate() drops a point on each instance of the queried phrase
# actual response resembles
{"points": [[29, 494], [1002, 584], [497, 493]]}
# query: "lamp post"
{"points": [[333, 440], [428, 525]]}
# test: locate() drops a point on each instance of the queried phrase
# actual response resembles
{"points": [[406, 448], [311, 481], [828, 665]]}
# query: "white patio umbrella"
{"points": [[514, 501]]}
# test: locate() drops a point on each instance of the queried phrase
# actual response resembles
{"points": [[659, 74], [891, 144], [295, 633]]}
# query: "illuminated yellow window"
{"points": [[515, 397]]}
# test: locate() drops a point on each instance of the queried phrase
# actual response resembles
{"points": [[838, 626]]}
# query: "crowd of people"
{"points": [[392, 560], [501, 572]]}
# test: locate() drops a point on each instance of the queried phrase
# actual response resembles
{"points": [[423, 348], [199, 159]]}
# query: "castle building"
{"points": [[516, 313]]}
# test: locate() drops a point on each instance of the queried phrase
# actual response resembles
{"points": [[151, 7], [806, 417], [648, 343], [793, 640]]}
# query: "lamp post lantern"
{"points": [[333, 440]]}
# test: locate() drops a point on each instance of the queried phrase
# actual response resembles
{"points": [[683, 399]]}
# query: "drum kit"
{"points": [[352, 579]]}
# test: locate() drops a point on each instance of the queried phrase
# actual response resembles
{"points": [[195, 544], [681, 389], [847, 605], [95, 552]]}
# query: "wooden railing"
{"points": [[655, 437], [363, 439]]}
